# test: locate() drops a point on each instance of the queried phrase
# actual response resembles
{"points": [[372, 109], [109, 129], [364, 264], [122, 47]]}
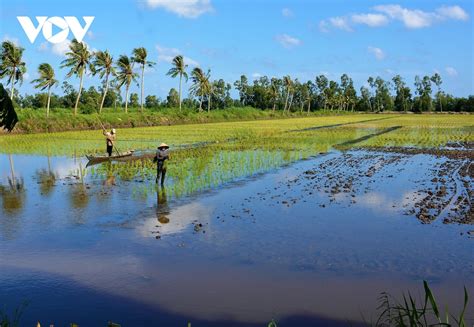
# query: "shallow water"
{"points": [[85, 248]]}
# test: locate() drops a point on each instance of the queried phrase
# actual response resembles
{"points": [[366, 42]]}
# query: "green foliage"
{"points": [[408, 313]]}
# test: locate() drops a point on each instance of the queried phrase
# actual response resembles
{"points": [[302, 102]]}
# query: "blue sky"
{"points": [[303, 38]]}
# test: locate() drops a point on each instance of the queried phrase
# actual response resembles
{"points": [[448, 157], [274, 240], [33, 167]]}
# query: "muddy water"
{"points": [[299, 244]]}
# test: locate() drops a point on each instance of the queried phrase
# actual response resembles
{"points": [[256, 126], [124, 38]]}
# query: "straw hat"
{"points": [[113, 131], [163, 145]]}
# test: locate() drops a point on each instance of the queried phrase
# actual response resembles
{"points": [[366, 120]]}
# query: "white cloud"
{"points": [[91, 35], [324, 26], [167, 55], [26, 76], [410, 18], [453, 12], [340, 23], [451, 71], [288, 41], [256, 75], [11, 39], [286, 12], [372, 20], [60, 49], [183, 8], [377, 52], [384, 14]]}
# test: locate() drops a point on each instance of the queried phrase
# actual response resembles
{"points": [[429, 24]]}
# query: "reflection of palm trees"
{"points": [[13, 195], [78, 194], [47, 179], [162, 208]]}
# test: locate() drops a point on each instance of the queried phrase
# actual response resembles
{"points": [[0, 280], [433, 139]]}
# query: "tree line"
{"points": [[116, 77]]}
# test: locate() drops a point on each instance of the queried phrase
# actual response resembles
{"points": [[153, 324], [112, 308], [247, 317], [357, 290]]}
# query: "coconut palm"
{"points": [[288, 84], [208, 88], [198, 87], [104, 66], [12, 65], [179, 68], [78, 60], [274, 92], [140, 57], [125, 75], [46, 80]]}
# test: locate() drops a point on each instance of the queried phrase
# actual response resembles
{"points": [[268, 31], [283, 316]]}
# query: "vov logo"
{"points": [[64, 24]]}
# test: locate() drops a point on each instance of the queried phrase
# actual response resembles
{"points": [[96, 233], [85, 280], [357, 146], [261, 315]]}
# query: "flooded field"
{"points": [[305, 221]]}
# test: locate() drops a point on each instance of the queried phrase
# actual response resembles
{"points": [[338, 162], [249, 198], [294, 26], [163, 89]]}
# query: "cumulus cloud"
{"points": [[341, 23], [256, 75], [372, 20], [377, 52], [60, 49], [453, 12], [384, 14], [410, 18], [167, 55], [451, 71], [287, 12], [183, 8], [288, 41]]}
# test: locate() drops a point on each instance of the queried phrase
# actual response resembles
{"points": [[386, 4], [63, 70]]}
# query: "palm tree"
{"points": [[78, 60], [12, 65], [104, 65], [209, 88], [274, 91], [140, 56], [199, 84], [288, 84], [125, 75], [45, 81], [179, 69]]}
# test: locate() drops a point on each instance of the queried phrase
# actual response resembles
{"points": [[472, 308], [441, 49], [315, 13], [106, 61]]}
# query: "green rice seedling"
{"points": [[408, 313]]}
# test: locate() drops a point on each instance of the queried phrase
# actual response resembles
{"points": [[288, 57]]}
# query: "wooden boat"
{"points": [[98, 159]]}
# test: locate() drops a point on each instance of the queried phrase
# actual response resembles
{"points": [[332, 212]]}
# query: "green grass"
{"points": [[35, 120]]}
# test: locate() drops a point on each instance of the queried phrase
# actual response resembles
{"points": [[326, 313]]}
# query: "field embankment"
{"points": [[35, 120]]}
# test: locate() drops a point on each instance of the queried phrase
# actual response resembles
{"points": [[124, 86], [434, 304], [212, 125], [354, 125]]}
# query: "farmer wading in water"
{"points": [[162, 154], [110, 139]]}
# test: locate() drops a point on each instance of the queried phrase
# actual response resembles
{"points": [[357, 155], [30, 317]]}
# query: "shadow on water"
{"points": [[96, 308], [350, 143]]}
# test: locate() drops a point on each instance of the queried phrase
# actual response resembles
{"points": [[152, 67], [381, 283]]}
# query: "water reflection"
{"points": [[46, 179], [162, 208], [13, 194]]}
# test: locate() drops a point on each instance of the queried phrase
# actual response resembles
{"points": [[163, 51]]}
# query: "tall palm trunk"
{"points": [[180, 80], [12, 89], [209, 104], [200, 103], [105, 93], [79, 93], [286, 100], [309, 106], [49, 101], [143, 83], [126, 98], [291, 103], [274, 107]]}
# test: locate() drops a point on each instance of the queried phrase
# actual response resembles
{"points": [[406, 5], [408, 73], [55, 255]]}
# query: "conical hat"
{"points": [[163, 145]]}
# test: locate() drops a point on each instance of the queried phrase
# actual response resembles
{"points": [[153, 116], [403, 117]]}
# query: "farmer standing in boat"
{"points": [[110, 139], [162, 154]]}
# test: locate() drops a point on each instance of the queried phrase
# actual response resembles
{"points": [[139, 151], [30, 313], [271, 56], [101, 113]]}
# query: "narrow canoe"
{"points": [[98, 159]]}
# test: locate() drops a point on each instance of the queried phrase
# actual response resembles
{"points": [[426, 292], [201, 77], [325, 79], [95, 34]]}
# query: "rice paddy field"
{"points": [[303, 220]]}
